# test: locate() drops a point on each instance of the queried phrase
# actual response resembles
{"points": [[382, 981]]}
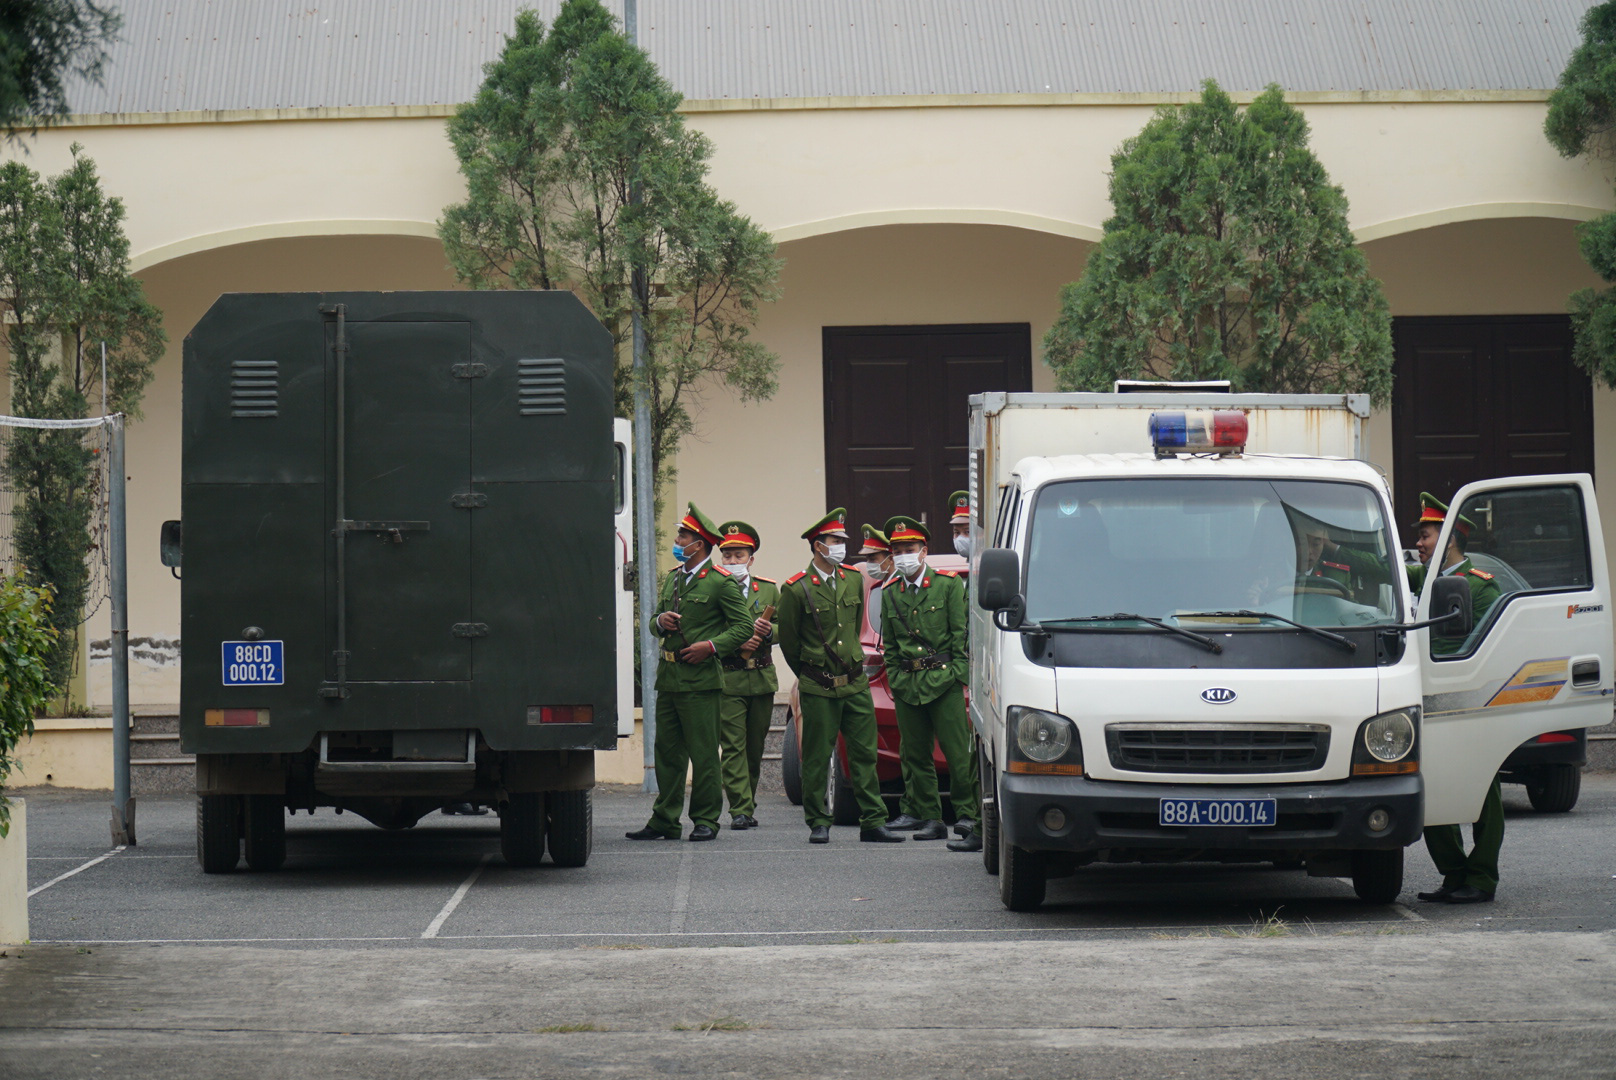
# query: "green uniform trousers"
{"points": [[1479, 869], [853, 717], [942, 722], [686, 738], [743, 725]]}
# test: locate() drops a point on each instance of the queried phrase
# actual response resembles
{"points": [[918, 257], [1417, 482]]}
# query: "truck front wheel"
{"points": [[1022, 876], [265, 818], [218, 832], [990, 815], [571, 826], [1377, 876], [521, 828]]}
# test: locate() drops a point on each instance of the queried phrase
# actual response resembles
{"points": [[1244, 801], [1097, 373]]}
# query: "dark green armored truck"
{"points": [[399, 561]]}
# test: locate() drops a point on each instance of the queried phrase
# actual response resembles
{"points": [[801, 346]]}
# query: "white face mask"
{"points": [[835, 553], [907, 563], [876, 570], [962, 546], [739, 570]]}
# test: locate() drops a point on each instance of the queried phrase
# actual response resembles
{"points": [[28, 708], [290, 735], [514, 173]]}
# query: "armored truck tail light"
{"points": [[1222, 432], [235, 718], [1387, 744], [1043, 743], [564, 714]]}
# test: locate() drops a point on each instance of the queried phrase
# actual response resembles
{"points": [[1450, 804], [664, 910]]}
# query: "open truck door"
{"points": [[1539, 658], [623, 555]]}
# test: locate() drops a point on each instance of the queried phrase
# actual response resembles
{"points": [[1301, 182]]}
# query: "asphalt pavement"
{"points": [[419, 954]]}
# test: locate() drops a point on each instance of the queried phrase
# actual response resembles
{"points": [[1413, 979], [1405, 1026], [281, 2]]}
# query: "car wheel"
{"points": [[521, 828], [1554, 789], [570, 827], [791, 763], [1377, 876], [266, 831], [218, 832]]}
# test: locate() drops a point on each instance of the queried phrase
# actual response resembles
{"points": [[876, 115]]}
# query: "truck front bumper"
{"points": [[1123, 815]]}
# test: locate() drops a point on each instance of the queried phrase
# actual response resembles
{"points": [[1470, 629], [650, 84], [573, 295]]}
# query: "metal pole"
{"points": [[123, 803], [645, 545]]}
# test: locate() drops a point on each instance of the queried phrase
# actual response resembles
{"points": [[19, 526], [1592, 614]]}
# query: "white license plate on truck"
{"points": [[1181, 812]]}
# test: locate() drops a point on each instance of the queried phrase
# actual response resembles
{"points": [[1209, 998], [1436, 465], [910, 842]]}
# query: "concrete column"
{"points": [[14, 878]]}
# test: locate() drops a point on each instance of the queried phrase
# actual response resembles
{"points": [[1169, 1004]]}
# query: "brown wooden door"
{"points": [[895, 413], [1482, 397]]}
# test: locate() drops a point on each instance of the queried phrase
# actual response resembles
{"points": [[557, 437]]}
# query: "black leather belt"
{"points": [[739, 663], [824, 678], [934, 662]]}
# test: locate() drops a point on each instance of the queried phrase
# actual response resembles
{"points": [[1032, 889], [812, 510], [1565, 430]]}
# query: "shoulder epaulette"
{"points": [[798, 576], [1484, 575], [946, 573], [765, 580], [1337, 566], [720, 569]]}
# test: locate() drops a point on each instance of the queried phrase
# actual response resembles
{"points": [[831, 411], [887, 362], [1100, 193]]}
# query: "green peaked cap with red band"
{"points": [[738, 534], [874, 540], [700, 524], [832, 524], [959, 504], [903, 527], [1435, 511]]}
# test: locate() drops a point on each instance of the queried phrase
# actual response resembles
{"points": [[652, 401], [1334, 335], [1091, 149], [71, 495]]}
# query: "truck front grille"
{"points": [[1228, 748]]}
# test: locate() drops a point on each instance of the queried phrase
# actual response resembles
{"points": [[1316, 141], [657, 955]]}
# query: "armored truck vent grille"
{"points": [[542, 387], [1194, 748], [255, 388]]}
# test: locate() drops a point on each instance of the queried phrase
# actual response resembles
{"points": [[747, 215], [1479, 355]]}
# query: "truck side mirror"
{"points": [[998, 579], [1452, 599], [171, 544]]}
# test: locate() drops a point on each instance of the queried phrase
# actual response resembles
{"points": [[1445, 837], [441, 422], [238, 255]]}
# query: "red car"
{"points": [[839, 790]]}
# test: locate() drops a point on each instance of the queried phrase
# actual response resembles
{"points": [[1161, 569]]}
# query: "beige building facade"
{"points": [[940, 210]]}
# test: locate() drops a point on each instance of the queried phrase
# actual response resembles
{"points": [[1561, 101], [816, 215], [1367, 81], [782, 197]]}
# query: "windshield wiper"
{"points": [[1199, 639], [1247, 613]]}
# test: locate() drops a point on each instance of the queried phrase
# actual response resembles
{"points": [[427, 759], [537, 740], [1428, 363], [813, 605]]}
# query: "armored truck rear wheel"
{"points": [[571, 826], [521, 828], [1377, 876], [1553, 789], [218, 832], [265, 820]]}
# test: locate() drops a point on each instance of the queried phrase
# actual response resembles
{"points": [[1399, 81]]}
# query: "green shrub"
{"points": [[26, 639]]}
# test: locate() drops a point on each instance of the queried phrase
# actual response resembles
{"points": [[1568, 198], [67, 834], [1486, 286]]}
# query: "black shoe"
{"points": [[971, 841], [963, 826], [454, 808], [1469, 894], [751, 822], [881, 835], [1437, 896], [904, 822], [740, 821], [931, 830], [703, 832], [647, 833], [819, 834]]}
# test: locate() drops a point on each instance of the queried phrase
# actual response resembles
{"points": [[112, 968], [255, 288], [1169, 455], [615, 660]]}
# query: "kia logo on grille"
{"points": [[1217, 695]]}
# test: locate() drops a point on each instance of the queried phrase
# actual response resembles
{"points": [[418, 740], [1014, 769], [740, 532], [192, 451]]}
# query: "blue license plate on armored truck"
{"points": [[1181, 812], [253, 663]]}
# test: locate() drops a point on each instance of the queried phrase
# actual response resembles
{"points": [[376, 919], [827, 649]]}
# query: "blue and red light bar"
{"points": [[1221, 432]]}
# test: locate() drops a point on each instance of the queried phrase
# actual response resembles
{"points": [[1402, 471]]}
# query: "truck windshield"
{"points": [[1211, 553]]}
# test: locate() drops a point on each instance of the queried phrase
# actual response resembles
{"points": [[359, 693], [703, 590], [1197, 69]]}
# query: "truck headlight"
{"points": [[1388, 743], [1041, 736]]}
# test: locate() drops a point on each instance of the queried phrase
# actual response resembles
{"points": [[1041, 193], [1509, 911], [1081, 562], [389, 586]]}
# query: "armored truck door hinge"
{"points": [[470, 629], [469, 500], [337, 692], [469, 371]]}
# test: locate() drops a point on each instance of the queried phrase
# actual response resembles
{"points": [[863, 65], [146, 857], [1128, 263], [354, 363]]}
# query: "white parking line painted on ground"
{"points": [[436, 924], [76, 870], [681, 892]]}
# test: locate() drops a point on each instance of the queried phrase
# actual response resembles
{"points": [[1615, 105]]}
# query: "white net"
{"points": [[53, 503]]}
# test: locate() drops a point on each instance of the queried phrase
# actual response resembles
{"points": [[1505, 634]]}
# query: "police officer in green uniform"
{"points": [[1466, 878], [923, 643], [1354, 574], [747, 707], [821, 611], [877, 552], [703, 616], [959, 519]]}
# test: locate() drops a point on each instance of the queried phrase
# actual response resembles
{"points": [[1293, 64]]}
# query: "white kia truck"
{"points": [[1193, 637]]}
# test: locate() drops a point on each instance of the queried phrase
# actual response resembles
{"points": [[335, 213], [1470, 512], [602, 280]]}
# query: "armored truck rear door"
{"points": [[407, 459]]}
